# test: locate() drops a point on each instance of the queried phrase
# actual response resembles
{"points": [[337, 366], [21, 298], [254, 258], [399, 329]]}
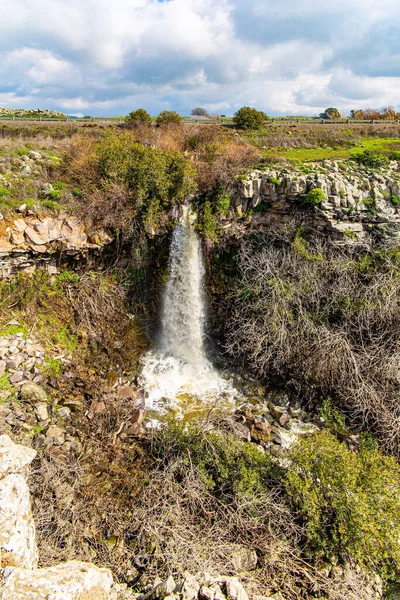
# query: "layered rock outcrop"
{"points": [[29, 241], [360, 203]]}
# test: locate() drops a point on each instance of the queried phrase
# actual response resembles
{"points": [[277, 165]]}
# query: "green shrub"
{"points": [[227, 465], [349, 503], [371, 158], [333, 418], [149, 173], [139, 116], [51, 204], [55, 194], [4, 192], [249, 118], [20, 152], [222, 203], [167, 117], [394, 200], [77, 193], [207, 223], [315, 196]]}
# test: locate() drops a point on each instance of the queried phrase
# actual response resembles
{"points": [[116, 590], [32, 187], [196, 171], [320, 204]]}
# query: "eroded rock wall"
{"points": [[29, 241], [360, 203]]}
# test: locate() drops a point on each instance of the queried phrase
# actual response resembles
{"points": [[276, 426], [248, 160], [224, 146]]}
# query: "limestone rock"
{"points": [[73, 580], [244, 559], [32, 393], [17, 528], [234, 589], [190, 587], [13, 457]]}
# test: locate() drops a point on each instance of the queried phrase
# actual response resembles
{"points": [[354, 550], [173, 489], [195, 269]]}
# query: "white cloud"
{"points": [[293, 57]]}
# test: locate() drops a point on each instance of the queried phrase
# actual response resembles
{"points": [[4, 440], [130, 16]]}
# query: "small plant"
{"points": [[77, 193], [4, 192], [52, 366], [5, 386], [394, 200], [68, 277], [349, 234], [342, 193], [263, 207], [20, 152], [274, 181], [55, 194], [207, 223], [333, 418], [316, 196], [51, 204]]}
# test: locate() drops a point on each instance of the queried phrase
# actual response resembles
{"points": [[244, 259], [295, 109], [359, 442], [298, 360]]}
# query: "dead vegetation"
{"points": [[150, 509], [325, 319]]}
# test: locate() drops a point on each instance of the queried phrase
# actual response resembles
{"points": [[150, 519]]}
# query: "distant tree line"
{"points": [[367, 114]]}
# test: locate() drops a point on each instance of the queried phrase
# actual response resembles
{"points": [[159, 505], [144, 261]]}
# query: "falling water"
{"points": [[179, 366]]}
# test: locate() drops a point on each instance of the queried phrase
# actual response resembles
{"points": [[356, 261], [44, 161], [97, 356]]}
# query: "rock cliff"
{"points": [[360, 203], [28, 241]]}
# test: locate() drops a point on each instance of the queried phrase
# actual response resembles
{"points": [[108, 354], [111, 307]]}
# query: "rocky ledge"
{"points": [[359, 203], [29, 241]]}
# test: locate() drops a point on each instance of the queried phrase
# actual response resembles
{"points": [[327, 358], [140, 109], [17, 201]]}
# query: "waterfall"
{"points": [[178, 367], [182, 323]]}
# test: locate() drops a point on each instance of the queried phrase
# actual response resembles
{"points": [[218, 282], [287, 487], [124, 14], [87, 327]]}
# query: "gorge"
{"points": [[210, 387]]}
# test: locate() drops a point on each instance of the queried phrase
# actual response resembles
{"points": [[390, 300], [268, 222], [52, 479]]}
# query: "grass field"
{"points": [[383, 145]]}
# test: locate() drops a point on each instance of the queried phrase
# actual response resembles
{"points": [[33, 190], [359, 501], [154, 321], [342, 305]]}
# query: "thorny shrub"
{"points": [[324, 318]]}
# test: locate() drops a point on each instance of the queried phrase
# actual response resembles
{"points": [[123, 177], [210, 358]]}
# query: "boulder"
{"points": [[17, 529], [190, 587], [13, 457], [73, 580], [33, 393], [244, 559], [234, 589]]}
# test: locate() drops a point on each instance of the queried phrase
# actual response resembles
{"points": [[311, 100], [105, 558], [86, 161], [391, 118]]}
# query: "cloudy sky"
{"points": [[103, 57]]}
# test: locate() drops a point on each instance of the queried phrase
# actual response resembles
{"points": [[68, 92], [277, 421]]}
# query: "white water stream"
{"points": [[178, 369]]}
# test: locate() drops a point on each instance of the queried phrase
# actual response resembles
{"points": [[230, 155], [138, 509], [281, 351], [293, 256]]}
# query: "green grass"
{"points": [[5, 386], [13, 329], [384, 145]]}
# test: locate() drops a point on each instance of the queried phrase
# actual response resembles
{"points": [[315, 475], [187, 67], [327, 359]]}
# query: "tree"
{"points": [[169, 116], [200, 112], [139, 116], [331, 113], [249, 118]]}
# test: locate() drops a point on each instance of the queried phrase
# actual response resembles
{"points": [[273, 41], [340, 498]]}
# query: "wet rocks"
{"points": [[276, 429]]}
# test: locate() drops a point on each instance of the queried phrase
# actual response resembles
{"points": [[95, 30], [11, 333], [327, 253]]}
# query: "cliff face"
{"points": [[360, 203], [30, 240]]}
